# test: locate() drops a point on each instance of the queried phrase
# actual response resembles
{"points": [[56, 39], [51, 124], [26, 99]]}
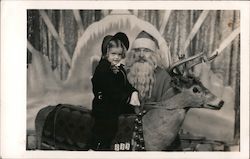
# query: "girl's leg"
{"points": [[103, 133]]}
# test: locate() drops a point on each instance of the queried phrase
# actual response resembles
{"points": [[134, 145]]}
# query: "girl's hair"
{"points": [[115, 43]]}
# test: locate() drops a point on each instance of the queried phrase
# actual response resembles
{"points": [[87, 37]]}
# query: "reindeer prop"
{"points": [[162, 123]]}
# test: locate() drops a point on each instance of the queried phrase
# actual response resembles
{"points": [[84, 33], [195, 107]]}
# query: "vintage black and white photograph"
{"points": [[133, 80], [125, 79]]}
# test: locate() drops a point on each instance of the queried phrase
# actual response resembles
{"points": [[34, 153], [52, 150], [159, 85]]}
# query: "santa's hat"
{"points": [[145, 40]]}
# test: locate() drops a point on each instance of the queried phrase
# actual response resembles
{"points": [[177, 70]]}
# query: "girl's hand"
{"points": [[115, 69], [135, 99]]}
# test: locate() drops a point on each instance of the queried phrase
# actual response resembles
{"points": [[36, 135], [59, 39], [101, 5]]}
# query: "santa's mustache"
{"points": [[143, 59]]}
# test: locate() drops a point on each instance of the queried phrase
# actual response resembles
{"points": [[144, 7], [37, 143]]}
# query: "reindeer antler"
{"points": [[204, 58], [200, 55], [178, 63]]}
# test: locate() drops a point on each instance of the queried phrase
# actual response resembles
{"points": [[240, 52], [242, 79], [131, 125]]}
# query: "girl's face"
{"points": [[114, 55]]}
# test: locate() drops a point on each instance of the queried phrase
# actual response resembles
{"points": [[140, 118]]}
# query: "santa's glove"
{"points": [[135, 99]]}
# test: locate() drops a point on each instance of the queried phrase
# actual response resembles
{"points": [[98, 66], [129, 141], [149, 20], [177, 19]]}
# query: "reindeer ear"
{"points": [[189, 73], [178, 71], [176, 84], [186, 73]]}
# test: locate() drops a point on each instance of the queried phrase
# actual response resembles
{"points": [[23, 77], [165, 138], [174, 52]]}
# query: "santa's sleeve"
{"points": [[167, 89]]}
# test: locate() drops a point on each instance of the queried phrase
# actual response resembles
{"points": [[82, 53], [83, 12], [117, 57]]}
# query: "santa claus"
{"points": [[144, 73]]}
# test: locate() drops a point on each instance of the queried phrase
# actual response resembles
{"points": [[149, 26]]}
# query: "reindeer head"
{"points": [[190, 88]]}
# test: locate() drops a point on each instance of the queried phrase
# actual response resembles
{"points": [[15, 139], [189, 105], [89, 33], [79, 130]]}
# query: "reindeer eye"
{"points": [[196, 90]]}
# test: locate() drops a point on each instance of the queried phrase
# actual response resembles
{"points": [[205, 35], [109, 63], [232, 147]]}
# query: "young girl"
{"points": [[113, 94]]}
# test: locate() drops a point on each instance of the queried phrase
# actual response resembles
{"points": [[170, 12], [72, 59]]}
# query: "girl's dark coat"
{"points": [[112, 92]]}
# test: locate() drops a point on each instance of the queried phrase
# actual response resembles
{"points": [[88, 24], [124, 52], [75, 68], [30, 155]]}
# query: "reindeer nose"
{"points": [[221, 103]]}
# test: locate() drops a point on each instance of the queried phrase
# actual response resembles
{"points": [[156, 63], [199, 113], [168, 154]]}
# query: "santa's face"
{"points": [[142, 53], [142, 63]]}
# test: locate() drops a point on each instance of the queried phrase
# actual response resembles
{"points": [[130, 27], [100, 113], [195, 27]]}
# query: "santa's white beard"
{"points": [[141, 76]]}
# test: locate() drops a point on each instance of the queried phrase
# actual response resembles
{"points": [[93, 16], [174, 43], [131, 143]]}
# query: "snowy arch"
{"points": [[89, 44]]}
